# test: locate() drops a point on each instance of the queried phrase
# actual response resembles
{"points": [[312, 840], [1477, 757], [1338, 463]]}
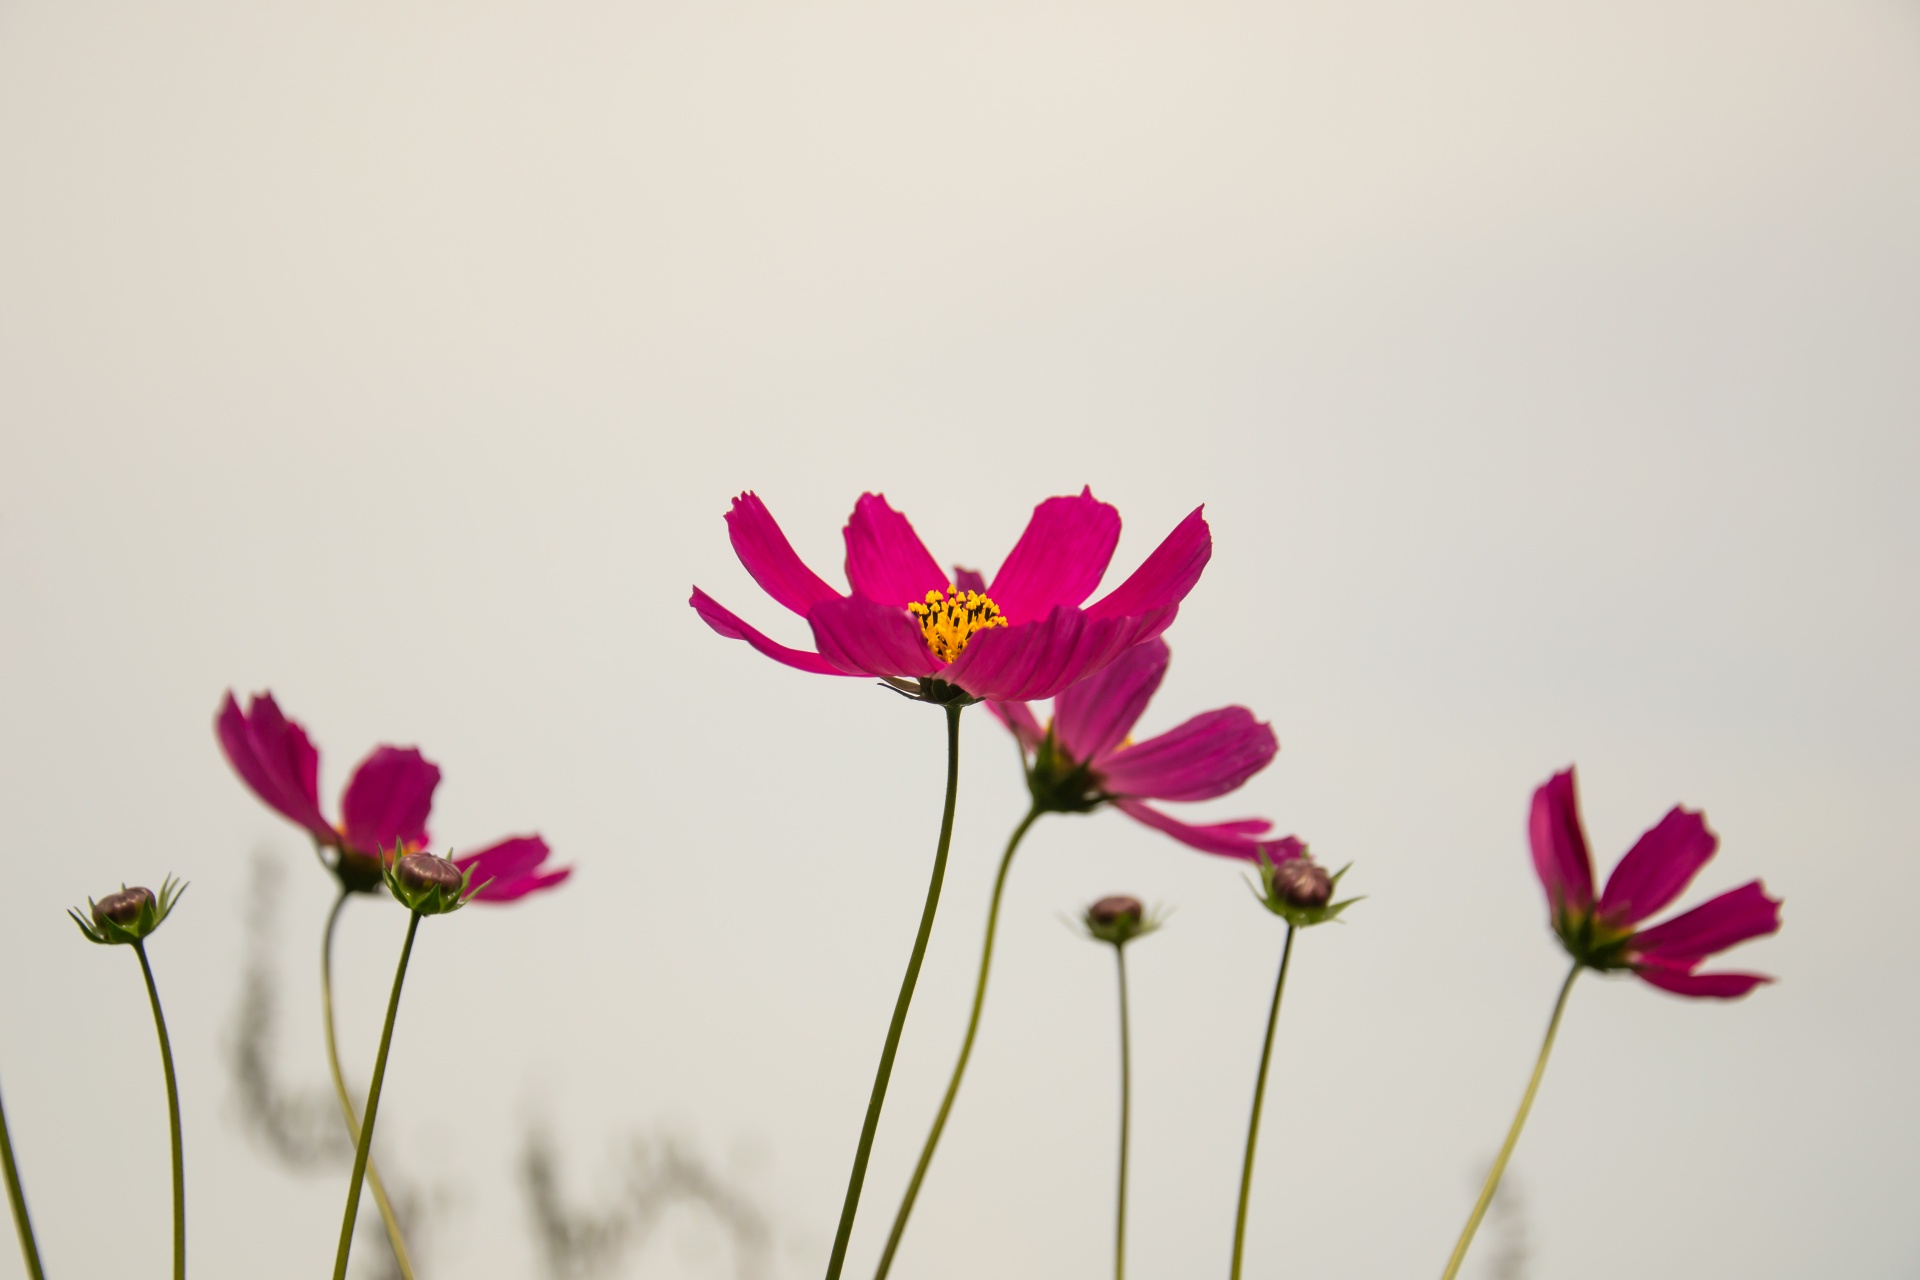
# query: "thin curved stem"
{"points": [[1259, 1096], [365, 1146], [18, 1199], [859, 1175], [347, 1111], [173, 1116], [1126, 1110], [1513, 1134], [966, 1051]]}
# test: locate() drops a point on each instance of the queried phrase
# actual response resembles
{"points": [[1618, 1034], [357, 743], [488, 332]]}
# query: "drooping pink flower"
{"points": [[383, 811], [1606, 934], [906, 621], [1083, 757]]}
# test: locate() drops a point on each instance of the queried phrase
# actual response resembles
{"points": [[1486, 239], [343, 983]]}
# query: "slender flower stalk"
{"points": [[1259, 1096], [173, 1117], [364, 1148], [871, 1125], [1513, 1133], [1126, 1112], [29, 1250], [348, 1113], [966, 1048]]}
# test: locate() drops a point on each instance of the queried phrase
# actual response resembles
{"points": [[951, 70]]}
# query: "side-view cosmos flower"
{"points": [[383, 811], [1083, 758], [1662, 863], [947, 638]]}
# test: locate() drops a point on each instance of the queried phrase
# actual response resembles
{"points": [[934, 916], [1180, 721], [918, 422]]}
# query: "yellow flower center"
{"points": [[949, 619]]}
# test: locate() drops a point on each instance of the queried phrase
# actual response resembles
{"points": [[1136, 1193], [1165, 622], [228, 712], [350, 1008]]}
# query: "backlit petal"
{"points": [[859, 635], [1167, 575], [1059, 559], [716, 616], [1713, 926], [1018, 717], [886, 561], [1208, 756], [1659, 867], [1560, 855], [387, 801], [1242, 839], [770, 558], [513, 867], [1039, 659], [1093, 717], [274, 758], [1711, 986]]}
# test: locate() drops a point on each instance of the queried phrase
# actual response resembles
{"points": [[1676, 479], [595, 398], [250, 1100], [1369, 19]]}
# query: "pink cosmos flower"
{"points": [[383, 812], [1606, 934], [1025, 635], [1083, 758]]}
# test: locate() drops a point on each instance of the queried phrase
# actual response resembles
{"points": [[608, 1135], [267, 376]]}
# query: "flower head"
{"points": [[127, 917], [1083, 758], [383, 811], [1606, 934], [957, 638], [429, 885]]}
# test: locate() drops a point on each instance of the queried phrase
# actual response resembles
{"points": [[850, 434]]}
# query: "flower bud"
{"points": [[1117, 919], [129, 915], [428, 884], [1302, 882], [423, 871], [123, 907]]}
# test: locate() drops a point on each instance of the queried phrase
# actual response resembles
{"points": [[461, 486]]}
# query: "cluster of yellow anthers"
{"points": [[949, 619]]}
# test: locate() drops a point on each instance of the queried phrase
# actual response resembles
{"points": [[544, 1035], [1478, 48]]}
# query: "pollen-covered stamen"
{"points": [[949, 619]]}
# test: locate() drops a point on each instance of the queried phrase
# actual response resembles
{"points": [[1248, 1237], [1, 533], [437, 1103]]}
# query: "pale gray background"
{"points": [[1547, 370]]}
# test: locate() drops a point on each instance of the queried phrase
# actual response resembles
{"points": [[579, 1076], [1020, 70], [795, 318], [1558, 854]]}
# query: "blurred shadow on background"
{"points": [[299, 1127]]}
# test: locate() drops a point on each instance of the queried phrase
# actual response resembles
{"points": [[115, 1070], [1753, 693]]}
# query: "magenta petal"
{"points": [[1241, 839], [969, 580], [1163, 581], [1713, 926], [387, 801], [1208, 756], [1658, 868], [1712, 986], [770, 558], [716, 616], [1560, 856], [274, 758], [886, 561], [512, 866], [1018, 717], [859, 635], [1094, 716], [1059, 559], [1039, 659]]}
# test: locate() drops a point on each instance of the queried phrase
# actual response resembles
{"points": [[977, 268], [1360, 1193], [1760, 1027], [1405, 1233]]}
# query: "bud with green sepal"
{"points": [[1300, 890], [1119, 920], [430, 885], [127, 917]]}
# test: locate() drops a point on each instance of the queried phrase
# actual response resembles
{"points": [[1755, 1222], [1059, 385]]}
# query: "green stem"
{"points": [[1513, 1134], [1126, 1096], [173, 1115], [874, 1103], [966, 1051], [365, 1146], [18, 1198], [347, 1112], [1259, 1095]]}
